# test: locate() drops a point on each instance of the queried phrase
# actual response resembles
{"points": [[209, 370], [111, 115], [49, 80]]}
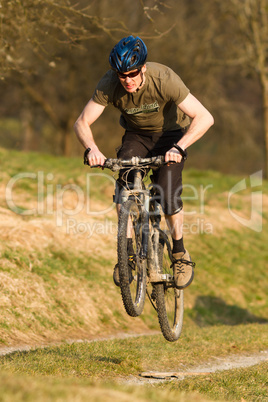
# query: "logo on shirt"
{"points": [[152, 107]]}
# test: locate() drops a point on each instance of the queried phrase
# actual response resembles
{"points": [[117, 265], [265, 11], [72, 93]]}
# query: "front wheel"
{"points": [[132, 273], [169, 300]]}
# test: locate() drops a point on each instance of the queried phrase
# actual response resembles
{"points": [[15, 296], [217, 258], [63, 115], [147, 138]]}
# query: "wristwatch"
{"points": [[181, 151], [85, 156]]}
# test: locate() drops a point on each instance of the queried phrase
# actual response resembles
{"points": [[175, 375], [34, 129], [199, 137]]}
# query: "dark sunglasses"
{"points": [[130, 75]]}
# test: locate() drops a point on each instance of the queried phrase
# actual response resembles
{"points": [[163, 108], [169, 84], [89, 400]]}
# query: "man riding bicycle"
{"points": [[160, 117]]}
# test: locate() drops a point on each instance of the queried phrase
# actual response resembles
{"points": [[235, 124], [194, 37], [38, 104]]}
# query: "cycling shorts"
{"points": [[167, 180]]}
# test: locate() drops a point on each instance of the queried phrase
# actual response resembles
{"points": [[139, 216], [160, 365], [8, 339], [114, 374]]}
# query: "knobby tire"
{"points": [[132, 279], [169, 300]]}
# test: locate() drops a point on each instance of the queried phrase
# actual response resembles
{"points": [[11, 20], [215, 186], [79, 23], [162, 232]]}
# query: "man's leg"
{"points": [[175, 225], [168, 184], [183, 267]]}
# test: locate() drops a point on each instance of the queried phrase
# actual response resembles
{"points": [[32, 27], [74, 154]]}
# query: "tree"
{"points": [[45, 49]]}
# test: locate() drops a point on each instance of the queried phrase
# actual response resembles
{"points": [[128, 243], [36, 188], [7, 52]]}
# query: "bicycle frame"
{"points": [[149, 248], [150, 244], [143, 197]]}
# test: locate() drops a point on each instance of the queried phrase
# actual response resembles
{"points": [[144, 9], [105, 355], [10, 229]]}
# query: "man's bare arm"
{"points": [[82, 128], [202, 120]]}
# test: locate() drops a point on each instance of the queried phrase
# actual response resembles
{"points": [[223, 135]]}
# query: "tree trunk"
{"points": [[67, 134], [28, 143], [265, 95], [67, 143], [264, 84]]}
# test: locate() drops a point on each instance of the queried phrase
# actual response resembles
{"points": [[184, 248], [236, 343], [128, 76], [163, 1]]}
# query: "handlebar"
{"points": [[135, 161]]}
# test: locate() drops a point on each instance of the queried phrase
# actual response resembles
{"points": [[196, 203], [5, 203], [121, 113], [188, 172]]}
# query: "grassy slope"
{"points": [[57, 285]]}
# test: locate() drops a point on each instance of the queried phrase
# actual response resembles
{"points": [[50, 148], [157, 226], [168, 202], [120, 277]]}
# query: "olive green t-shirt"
{"points": [[154, 107]]}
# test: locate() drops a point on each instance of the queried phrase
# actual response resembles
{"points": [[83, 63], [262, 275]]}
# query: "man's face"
{"points": [[132, 80]]}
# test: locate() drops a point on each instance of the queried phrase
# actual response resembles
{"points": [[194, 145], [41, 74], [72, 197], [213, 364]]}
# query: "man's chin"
{"points": [[132, 89]]}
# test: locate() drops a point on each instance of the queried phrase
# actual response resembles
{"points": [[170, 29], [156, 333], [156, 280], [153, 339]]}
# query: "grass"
{"points": [[238, 287], [56, 285], [40, 175], [120, 358], [249, 384], [52, 292], [25, 388], [246, 384], [119, 362]]}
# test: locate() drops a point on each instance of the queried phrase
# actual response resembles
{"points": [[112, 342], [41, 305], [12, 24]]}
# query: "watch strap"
{"points": [[181, 151], [85, 155]]}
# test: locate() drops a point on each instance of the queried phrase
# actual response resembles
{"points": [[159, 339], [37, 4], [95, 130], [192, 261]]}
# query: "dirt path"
{"points": [[211, 366]]}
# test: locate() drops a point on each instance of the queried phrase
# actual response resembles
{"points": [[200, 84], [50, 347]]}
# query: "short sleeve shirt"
{"points": [[152, 108]]}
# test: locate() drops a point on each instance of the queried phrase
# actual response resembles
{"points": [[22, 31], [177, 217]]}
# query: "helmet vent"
{"points": [[130, 53]]}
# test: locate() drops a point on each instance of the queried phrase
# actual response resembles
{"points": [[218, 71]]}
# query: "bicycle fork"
{"points": [[145, 227], [150, 241]]}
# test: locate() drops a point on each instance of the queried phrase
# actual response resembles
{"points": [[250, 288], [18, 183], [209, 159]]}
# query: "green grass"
{"points": [[49, 292], [54, 261], [25, 388], [40, 174], [107, 364], [249, 384], [120, 358], [231, 277]]}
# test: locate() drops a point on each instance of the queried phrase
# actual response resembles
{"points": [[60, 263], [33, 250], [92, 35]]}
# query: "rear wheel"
{"points": [[169, 300], [132, 274]]}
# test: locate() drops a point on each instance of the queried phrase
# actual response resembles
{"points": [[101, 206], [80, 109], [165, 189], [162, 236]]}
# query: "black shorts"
{"points": [[167, 180]]}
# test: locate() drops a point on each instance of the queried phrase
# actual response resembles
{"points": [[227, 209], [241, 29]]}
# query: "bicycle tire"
{"points": [[169, 299], [132, 280]]}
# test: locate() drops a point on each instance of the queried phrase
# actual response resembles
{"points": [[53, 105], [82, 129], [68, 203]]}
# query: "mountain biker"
{"points": [[160, 117]]}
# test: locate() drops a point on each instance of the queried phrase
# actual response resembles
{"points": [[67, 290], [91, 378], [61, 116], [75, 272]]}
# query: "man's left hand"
{"points": [[173, 155]]}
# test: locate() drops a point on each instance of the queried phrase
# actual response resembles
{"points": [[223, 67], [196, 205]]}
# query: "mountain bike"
{"points": [[151, 267]]}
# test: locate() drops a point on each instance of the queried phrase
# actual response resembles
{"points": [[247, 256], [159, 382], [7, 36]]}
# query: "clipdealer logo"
{"points": [[50, 200], [50, 196], [254, 221]]}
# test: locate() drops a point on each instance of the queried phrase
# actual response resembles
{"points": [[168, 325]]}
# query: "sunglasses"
{"points": [[130, 75]]}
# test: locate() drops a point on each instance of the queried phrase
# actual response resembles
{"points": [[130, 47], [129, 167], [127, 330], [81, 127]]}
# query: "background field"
{"points": [[58, 242]]}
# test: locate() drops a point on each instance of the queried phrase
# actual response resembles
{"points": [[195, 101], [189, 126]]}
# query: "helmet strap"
{"points": [[142, 82]]}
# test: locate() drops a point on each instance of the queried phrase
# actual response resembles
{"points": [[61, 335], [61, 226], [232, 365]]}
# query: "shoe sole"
{"points": [[187, 284], [117, 283]]}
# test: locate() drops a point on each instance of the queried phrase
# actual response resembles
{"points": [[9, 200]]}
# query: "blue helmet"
{"points": [[130, 53]]}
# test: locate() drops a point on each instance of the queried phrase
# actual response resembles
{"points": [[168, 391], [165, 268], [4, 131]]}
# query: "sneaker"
{"points": [[131, 266], [183, 270]]}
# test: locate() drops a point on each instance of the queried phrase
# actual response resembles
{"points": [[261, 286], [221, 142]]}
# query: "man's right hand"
{"points": [[95, 157]]}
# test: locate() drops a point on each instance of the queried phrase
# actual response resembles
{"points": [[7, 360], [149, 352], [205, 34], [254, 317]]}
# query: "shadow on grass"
{"points": [[107, 359], [209, 310]]}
